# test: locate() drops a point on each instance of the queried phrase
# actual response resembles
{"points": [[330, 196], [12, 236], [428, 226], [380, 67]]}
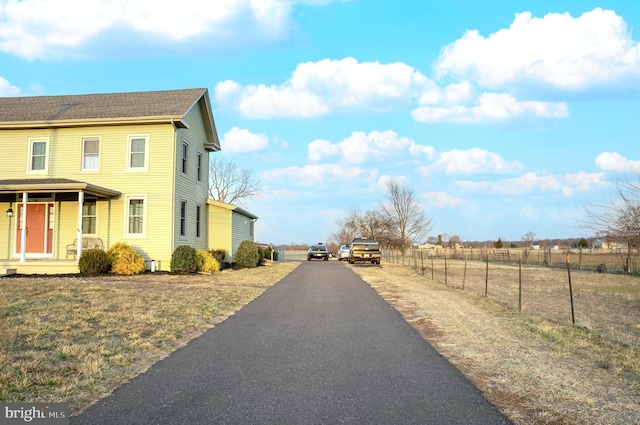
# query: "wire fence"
{"points": [[606, 303]]}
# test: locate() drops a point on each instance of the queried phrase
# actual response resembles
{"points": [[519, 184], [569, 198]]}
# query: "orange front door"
{"points": [[39, 234]]}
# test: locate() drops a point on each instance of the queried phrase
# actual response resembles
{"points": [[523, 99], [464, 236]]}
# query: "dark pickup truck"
{"points": [[364, 249]]}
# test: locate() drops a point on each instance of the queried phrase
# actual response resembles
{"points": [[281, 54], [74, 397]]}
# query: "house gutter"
{"points": [[177, 121]]}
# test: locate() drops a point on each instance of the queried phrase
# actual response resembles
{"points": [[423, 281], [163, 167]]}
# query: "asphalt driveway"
{"points": [[319, 347]]}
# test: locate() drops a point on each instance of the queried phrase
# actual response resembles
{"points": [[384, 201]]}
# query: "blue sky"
{"points": [[504, 117]]}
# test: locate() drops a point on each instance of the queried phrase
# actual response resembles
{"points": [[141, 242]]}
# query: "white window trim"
{"points": [[145, 204], [91, 170], [146, 153], [200, 160], [30, 156]]}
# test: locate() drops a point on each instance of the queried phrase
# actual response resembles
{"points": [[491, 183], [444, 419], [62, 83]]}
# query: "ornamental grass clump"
{"points": [[183, 260], [125, 260]]}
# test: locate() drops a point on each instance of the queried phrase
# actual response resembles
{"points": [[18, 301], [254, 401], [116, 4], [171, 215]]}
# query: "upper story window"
{"points": [[38, 156], [185, 156], [199, 166], [90, 153], [137, 153]]}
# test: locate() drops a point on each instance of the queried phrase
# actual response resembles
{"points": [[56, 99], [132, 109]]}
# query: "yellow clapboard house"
{"points": [[83, 171]]}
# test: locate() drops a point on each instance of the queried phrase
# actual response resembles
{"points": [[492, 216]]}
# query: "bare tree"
{"points": [[230, 184], [404, 214], [620, 219]]}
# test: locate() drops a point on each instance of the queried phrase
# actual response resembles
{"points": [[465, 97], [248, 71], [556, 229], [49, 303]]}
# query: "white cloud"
{"points": [[531, 182], [442, 200], [488, 107], [556, 50], [613, 161], [6, 89], [375, 146], [35, 29], [242, 140], [471, 161], [318, 175], [317, 88]]}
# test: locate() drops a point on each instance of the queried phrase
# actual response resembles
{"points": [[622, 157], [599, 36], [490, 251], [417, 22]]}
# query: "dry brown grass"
{"points": [[537, 370], [77, 339]]}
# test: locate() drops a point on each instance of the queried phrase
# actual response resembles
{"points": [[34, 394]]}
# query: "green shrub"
{"points": [[247, 255], [219, 254], [183, 260], [125, 260], [275, 255], [94, 262], [206, 262]]}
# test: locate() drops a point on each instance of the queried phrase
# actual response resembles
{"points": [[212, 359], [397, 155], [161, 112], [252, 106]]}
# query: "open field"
{"points": [[76, 339], [585, 259], [608, 304]]}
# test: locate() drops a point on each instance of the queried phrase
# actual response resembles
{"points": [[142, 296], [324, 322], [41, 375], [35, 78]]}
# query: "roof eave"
{"points": [[17, 125]]}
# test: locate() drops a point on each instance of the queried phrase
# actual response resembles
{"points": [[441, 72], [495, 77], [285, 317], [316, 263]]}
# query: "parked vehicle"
{"points": [[343, 253], [318, 251], [364, 249]]}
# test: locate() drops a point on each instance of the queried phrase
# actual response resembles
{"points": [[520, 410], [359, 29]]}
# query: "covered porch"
{"points": [[36, 230]]}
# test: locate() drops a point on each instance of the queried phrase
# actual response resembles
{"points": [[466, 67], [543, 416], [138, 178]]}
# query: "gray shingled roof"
{"points": [[168, 103]]}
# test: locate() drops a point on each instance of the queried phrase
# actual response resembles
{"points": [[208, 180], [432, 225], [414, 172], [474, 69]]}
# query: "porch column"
{"points": [[79, 228], [23, 224]]}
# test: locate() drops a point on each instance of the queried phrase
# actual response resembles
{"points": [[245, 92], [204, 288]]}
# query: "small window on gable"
{"points": [[137, 153], [38, 158], [185, 157], [90, 153]]}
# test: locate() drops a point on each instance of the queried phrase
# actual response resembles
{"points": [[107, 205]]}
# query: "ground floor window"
{"points": [[89, 216], [135, 217]]}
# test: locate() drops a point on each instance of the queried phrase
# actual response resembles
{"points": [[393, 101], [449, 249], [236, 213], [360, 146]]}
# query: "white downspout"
{"points": [[79, 228]]}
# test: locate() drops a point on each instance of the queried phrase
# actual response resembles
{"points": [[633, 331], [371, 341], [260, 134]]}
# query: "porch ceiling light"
{"points": [[10, 212]]}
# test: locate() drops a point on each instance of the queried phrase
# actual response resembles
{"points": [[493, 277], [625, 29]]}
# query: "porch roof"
{"points": [[15, 186]]}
